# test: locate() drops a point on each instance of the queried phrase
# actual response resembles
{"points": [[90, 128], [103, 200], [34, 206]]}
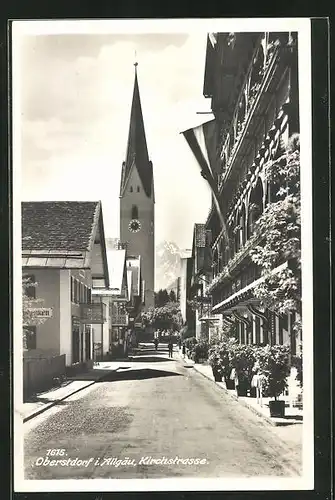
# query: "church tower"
{"points": [[137, 199]]}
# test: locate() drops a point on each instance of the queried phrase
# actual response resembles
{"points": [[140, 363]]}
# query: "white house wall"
{"points": [[47, 334], [65, 326]]}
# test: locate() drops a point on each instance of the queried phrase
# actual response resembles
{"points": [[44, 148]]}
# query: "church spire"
{"points": [[137, 151]]}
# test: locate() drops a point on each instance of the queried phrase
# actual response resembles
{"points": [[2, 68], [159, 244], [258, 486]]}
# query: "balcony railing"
{"points": [[233, 263], [256, 92]]}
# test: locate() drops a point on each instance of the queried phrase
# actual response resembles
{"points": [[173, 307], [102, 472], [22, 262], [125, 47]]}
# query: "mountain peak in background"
{"points": [[167, 265]]}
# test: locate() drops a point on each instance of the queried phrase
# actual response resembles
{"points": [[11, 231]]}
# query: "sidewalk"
{"points": [[44, 400], [292, 415]]}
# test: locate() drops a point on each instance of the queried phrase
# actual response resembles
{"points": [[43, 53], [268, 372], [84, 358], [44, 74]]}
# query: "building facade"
{"points": [[252, 81], [137, 199], [63, 252]]}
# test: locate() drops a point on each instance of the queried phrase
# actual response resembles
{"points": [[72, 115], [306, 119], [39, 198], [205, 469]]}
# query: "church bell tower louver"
{"points": [[137, 199]]}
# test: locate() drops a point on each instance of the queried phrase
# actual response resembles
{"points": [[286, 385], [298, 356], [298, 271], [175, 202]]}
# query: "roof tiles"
{"points": [[58, 226]]}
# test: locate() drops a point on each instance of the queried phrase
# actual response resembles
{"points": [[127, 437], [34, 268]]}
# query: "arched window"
{"points": [[257, 72], [278, 151], [138, 189], [241, 112], [237, 232], [131, 189], [215, 262], [255, 208], [242, 225], [223, 252], [134, 212]]}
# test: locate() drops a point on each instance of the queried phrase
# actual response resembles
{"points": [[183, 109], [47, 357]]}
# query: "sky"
{"points": [[75, 93]]}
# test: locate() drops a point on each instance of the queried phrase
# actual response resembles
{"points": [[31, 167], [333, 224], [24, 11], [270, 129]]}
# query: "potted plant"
{"points": [[220, 360], [189, 345], [214, 360], [243, 360], [200, 351], [227, 357], [273, 363]]}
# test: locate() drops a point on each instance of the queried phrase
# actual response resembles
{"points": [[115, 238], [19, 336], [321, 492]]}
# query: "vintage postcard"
{"points": [[163, 287]]}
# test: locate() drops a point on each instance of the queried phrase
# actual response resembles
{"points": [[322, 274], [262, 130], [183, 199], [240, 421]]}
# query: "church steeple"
{"points": [[137, 151]]}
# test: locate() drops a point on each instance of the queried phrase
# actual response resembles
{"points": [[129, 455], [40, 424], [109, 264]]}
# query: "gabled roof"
{"points": [[58, 225], [61, 234], [137, 151]]}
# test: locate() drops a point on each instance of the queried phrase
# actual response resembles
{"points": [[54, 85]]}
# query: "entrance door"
{"points": [[75, 339], [81, 344], [87, 342]]}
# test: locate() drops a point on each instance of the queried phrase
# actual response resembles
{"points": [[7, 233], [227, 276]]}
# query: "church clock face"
{"points": [[134, 226]]}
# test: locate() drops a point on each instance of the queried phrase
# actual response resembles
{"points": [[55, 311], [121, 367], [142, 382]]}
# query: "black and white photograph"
{"points": [[163, 278]]}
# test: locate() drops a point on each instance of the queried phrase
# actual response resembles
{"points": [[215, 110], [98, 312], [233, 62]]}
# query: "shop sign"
{"points": [[93, 313], [120, 319], [42, 312]]}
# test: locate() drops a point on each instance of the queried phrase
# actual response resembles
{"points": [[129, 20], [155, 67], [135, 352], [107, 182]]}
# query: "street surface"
{"points": [[146, 421]]}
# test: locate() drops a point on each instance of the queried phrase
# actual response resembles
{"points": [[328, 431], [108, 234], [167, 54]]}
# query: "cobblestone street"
{"points": [[149, 415]]}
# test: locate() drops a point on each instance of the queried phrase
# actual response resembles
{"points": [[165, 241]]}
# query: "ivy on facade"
{"points": [[280, 226]]}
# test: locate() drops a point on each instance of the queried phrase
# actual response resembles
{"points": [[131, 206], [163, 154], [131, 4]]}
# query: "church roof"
{"points": [[137, 151]]}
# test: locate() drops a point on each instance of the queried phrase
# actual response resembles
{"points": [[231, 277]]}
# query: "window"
{"points": [[138, 189], [131, 189], [30, 290], [76, 291], [30, 337], [134, 212]]}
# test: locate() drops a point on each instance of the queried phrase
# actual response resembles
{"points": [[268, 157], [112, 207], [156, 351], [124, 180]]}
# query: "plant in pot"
{"points": [[274, 368], [227, 354], [189, 345], [243, 360], [200, 351], [214, 359]]}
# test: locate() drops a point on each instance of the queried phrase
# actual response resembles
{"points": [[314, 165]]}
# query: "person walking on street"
{"points": [[170, 345], [184, 350]]}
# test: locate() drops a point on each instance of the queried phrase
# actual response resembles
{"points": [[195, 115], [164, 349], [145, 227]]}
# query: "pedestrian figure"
{"points": [[184, 349], [170, 345]]}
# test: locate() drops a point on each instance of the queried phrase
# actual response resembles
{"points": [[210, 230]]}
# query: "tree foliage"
{"points": [[280, 226], [167, 316], [161, 298]]}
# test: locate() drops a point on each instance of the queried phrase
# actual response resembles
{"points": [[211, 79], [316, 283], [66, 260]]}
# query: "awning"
{"points": [[245, 295]]}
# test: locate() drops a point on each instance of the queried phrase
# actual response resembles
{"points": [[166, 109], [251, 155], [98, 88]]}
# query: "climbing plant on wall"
{"points": [[280, 226]]}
